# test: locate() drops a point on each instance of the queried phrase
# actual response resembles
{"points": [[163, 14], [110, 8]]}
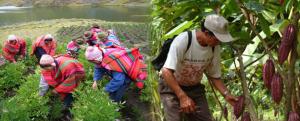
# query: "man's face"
{"points": [[211, 39]]}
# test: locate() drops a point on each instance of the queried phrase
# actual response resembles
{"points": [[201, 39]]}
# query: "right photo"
{"points": [[224, 60]]}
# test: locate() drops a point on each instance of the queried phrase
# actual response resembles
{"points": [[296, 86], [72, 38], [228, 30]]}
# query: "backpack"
{"points": [[160, 60]]}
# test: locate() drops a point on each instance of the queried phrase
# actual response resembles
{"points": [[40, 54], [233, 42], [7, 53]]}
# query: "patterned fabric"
{"points": [[49, 48], [128, 61], [10, 50], [66, 76]]}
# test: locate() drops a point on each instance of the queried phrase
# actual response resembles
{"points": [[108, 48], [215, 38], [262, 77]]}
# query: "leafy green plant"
{"points": [[27, 104], [93, 105], [11, 76]]}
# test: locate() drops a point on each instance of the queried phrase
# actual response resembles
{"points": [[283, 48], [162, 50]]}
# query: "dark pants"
{"points": [[68, 100], [172, 106]]}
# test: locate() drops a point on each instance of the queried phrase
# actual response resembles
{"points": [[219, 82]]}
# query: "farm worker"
{"points": [[119, 66], [63, 74], [96, 28], [72, 52], [109, 39], [73, 49], [44, 44], [14, 46], [91, 38], [182, 94]]}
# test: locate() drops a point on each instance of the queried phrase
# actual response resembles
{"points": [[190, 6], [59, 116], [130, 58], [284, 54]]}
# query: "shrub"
{"points": [[10, 77], [28, 105], [93, 105]]}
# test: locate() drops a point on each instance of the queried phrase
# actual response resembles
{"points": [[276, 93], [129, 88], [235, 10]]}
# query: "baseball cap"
{"points": [[219, 26]]}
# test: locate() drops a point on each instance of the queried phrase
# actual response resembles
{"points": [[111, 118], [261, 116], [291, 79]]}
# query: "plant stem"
{"points": [[218, 101], [291, 69]]}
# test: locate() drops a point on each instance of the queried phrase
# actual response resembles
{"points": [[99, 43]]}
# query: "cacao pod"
{"points": [[287, 41], [246, 117], [289, 35], [293, 116], [283, 53], [276, 88], [268, 71], [239, 106]]}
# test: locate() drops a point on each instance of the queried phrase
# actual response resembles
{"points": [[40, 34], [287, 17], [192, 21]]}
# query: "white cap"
{"points": [[219, 26], [48, 36], [12, 37]]}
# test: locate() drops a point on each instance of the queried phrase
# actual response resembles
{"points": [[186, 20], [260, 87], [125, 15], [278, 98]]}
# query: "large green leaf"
{"points": [[264, 25], [254, 6], [178, 29]]}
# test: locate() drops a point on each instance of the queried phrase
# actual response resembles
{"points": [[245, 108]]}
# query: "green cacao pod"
{"points": [[239, 106], [268, 71], [276, 88], [246, 117], [287, 41], [293, 116]]}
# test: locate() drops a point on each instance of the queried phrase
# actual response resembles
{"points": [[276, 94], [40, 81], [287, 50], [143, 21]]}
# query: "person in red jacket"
{"points": [[45, 44], [63, 74], [14, 47], [91, 38], [73, 49]]}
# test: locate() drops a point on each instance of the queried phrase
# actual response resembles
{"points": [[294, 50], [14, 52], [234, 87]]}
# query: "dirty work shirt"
{"points": [[190, 66]]}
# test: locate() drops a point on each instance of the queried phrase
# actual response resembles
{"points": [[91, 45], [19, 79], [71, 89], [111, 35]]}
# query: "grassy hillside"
{"points": [[131, 34], [72, 2]]}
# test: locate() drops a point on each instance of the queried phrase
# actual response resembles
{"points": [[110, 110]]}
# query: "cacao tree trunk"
{"points": [[291, 78]]}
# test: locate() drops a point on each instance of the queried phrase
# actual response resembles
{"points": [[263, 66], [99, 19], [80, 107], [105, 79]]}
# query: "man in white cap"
{"points": [[181, 91], [44, 44], [14, 48]]}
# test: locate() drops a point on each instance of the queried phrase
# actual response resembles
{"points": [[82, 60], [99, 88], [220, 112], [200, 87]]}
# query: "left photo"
{"points": [[75, 60]]}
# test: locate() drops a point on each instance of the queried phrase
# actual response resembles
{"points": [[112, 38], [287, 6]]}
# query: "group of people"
{"points": [[62, 73]]}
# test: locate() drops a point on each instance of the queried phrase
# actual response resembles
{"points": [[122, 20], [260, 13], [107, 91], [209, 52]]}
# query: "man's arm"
{"points": [[218, 83], [187, 105]]}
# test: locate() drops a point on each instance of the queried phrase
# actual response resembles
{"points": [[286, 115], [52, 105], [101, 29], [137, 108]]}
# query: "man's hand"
{"points": [[94, 85], [187, 105], [231, 99]]}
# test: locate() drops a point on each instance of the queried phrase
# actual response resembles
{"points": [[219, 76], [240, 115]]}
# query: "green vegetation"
{"points": [[257, 27], [21, 80], [73, 2]]}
